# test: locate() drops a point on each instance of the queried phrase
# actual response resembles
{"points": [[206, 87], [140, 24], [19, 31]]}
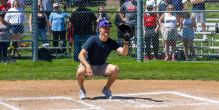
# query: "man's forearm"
{"points": [[197, 1]]}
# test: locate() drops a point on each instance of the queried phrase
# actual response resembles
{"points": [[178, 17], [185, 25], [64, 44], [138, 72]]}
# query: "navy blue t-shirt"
{"points": [[199, 6], [98, 51], [177, 4]]}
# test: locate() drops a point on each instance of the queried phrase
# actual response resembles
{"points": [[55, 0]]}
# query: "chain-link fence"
{"points": [[58, 29]]}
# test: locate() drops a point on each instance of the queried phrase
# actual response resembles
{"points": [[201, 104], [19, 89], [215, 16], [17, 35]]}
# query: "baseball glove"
{"points": [[125, 31]]}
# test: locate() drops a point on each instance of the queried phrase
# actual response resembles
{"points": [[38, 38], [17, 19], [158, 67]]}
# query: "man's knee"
{"points": [[115, 70], [81, 72]]}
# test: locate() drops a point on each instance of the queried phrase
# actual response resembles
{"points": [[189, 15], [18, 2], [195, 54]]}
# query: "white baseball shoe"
{"points": [[107, 93], [82, 94], [205, 37]]}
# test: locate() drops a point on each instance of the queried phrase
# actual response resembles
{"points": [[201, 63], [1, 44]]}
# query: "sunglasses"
{"points": [[106, 23], [170, 8]]}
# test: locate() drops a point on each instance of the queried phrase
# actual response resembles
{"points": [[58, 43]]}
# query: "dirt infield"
{"points": [[129, 95]]}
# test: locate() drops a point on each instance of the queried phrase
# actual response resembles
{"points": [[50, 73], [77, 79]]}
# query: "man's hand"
{"points": [[89, 72]]}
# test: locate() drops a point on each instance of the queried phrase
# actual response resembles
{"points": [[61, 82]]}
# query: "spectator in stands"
{"points": [[170, 30], [4, 6], [118, 21], [22, 4], [178, 4], [58, 24], [100, 17], [129, 18], [199, 17], [163, 7], [151, 2], [4, 38], [151, 32], [188, 34], [17, 20], [47, 6], [84, 26], [43, 25]]}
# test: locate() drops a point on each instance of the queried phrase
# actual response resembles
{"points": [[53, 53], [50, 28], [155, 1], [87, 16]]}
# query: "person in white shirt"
{"points": [[170, 33], [17, 20], [151, 2]]}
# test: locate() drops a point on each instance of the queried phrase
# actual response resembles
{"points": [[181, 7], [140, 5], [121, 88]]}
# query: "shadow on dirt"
{"points": [[128, 98]]}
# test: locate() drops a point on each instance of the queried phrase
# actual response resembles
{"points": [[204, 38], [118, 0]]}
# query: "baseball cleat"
{"points": [[107, 93], [82, 94]]}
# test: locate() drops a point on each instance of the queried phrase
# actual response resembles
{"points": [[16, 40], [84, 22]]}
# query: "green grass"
{"points": [[159, 70]]}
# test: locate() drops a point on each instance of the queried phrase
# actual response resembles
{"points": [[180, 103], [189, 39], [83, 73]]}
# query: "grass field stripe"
{"points": [[194, 97], [57, 98], [9, 106]]}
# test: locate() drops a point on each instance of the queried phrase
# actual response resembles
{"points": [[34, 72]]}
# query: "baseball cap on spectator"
{"points": [[105, 23], [55, 5], [150, 7]]}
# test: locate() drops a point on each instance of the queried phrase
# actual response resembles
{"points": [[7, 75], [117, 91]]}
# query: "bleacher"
{"points": [[28, 35]]}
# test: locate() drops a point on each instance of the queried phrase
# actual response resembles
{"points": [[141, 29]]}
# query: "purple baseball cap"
{"points": [[105, 23]]}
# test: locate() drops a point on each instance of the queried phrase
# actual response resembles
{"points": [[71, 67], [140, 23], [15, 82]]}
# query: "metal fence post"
{"points": [[139, 31], [35, 30]]}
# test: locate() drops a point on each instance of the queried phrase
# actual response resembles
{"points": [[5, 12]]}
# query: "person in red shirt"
{"points": [[151, 32], [4, 6]]}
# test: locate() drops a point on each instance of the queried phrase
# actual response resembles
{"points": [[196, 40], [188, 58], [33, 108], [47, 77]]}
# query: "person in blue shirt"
{"points": [[93, 57], [58, 24]]}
